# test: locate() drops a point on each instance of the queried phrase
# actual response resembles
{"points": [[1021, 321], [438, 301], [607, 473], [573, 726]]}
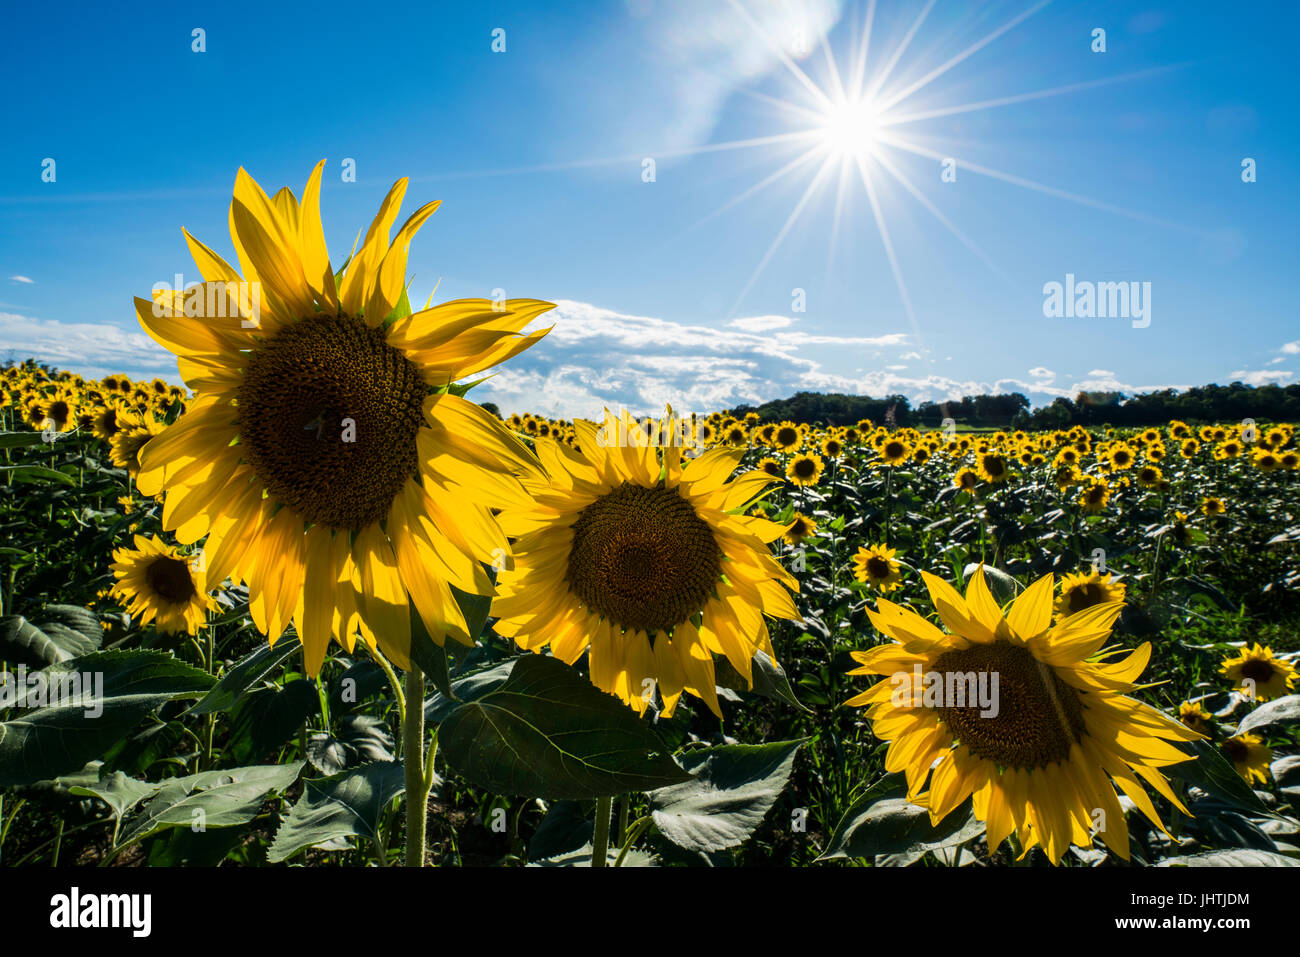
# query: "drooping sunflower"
{"points": [[992, 467], [1258, 674], [801, 527], [645, 560], [323, 455], [877, 565], [1063, 736], [1085, 590], [805, 469], [1094, 495], [1250, 756], [157, 583]]}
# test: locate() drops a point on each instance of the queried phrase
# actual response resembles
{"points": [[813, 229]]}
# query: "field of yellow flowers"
{"points": [[322, 608], [784, 592]]}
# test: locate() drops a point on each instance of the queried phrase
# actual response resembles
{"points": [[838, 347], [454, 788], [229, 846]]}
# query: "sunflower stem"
{"points": [[600, 840], [417, 784]]}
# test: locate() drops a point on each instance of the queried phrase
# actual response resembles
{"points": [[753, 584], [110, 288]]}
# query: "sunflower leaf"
{"points": [[47, 643], [1243, 857], [210, 799], [42, 741], [343, 805], [245, 673], [1280, 711], [882, 822], [1215, 775], [548, 732], [734, 787]]}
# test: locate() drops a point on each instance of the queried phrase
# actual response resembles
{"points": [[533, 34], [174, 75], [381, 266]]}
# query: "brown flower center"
{"points": [[170, 579], [1039, 717], [328, 415], [642, 558]]}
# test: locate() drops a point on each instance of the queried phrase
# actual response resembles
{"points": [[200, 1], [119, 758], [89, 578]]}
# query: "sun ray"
{"points": [[925, 201], [1032, 185], [891, 256], [970, 50], [897, 119], [880, 80], [782, 55], [780, 236]]}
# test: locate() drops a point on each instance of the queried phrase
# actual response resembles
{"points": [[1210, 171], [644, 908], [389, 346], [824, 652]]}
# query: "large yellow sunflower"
{"points": [[646, 560], [323, 456], [1058, 736], [1258, 674], [157, 583]]}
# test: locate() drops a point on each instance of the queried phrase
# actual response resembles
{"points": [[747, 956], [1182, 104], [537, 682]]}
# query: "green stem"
{"points": [[638, 828], [600, 842], [419, 779]]}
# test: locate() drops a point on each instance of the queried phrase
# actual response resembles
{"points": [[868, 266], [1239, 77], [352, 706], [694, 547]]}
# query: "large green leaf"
{"points": [[361, 739], [469, 688], [1214, 774], [1281, 711], [268, 717], [245, 673], [37, 473], [547, 732], [211, 799], [883, 821], [1240, 857], [47, 643], [734, 787], [343, 805], [17, 440], [770, 679], [37, 743]]}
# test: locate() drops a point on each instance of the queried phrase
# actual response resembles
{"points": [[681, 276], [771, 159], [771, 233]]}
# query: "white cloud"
{"points": [[910, 355], [595, 357], [1262, 376], [761, 323], [1039, 372], [1103, 373], [1275, 361], [1292, 348], [91, 348], [21, 279]]}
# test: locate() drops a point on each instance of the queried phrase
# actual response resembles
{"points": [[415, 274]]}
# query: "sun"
{"points": [[850, 127]]}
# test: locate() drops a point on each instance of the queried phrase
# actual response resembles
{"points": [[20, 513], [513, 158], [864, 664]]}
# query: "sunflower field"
{"points": [[321, 608]]}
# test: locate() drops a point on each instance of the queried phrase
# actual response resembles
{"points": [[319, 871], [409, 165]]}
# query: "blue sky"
{"points": [[1133, 173]]}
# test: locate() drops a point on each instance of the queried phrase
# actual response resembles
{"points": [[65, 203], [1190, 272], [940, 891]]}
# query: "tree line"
{"points": [[1209, 403]]}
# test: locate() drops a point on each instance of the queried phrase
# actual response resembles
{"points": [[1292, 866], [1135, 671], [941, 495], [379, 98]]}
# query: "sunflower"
{"points": [[787, 437], [805, 469], [966, 479], [878, 566], [1194, 715], [1266, 460], [1228, 450], [1213, 507], [800, 527], [1189, 448], [645, 560], [1085, 590], [1149, 476], [157, 583], [895, 451], [1259, 675], [324, 455], [1063, 736], [1094, 495], [992, 467], [1250, 756], [130, 439], [832, 447]]}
